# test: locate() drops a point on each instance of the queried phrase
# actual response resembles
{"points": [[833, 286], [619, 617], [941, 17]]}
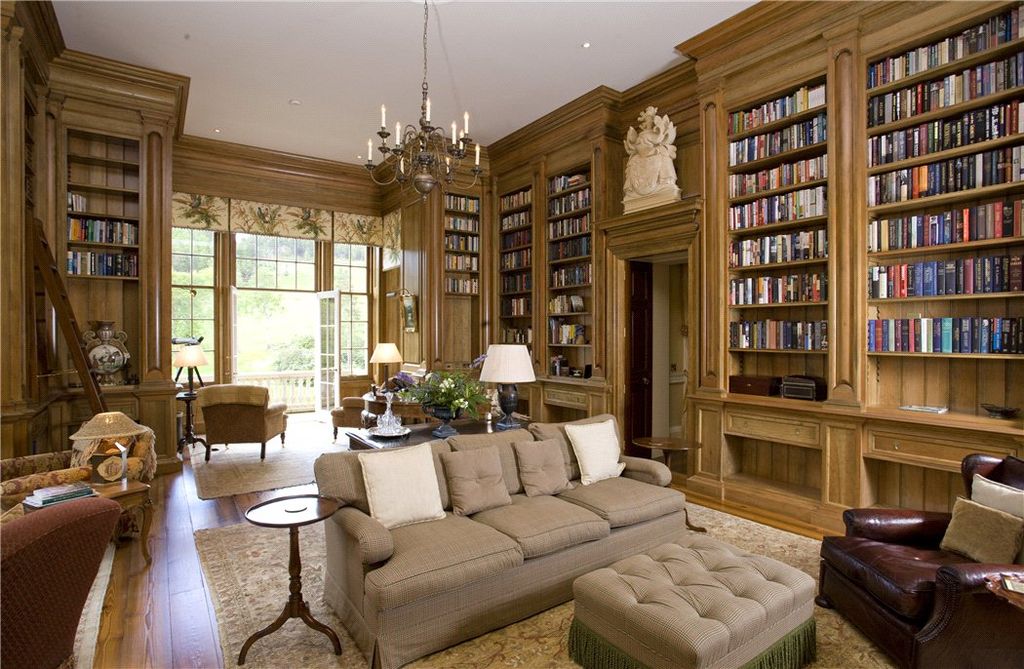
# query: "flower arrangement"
{"points": [[451, 390]]}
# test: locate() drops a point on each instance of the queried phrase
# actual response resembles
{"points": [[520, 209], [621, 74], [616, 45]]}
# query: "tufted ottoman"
{"points": [[696, 602]]}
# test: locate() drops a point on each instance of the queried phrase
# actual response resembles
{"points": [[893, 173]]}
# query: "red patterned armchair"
{"points": [[924, 606]]}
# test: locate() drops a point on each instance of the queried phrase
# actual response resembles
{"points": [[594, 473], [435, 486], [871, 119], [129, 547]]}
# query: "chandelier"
{"points": [[422, 155]]}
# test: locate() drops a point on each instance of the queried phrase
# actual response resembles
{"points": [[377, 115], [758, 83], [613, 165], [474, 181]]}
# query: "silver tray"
{"points": [[375, 432]]}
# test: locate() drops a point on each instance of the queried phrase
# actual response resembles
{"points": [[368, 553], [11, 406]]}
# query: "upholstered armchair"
{"points": [[48, 561], [924, 606], [235, 414], [351, 414]]}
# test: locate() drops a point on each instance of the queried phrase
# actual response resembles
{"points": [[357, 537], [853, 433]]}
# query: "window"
{"points": [[192, 295], [351, 279], [275, 263]]}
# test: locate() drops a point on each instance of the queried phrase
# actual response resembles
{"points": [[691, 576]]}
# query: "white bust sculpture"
{"points": [[650, 171]]}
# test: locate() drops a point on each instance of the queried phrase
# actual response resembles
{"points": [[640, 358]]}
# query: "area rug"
{"points": [[246, 570], [89, 623], [237, 469]]}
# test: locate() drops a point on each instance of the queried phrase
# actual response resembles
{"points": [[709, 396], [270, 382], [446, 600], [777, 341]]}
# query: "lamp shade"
{"points": [[386, 352], [190, 356], [507, 363], [108, 425]]}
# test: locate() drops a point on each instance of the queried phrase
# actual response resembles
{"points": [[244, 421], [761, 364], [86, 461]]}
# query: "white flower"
{"points": [[461, 403]]}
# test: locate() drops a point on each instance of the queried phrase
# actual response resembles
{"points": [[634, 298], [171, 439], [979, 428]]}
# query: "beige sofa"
{"points": [[408, 592]]}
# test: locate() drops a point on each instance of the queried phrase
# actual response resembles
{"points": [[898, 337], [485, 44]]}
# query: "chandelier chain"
{"points": [[426, 17]]}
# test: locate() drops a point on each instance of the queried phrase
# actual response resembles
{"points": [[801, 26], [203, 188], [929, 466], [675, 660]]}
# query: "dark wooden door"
{"points": [[638, 339]]}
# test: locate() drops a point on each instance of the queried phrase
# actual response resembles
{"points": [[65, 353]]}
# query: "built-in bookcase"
{"points": [[461, 244], [777, 233], [570, 269], [515, 266], [945, 240]]}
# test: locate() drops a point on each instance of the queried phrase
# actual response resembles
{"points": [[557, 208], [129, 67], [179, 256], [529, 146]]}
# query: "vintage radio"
{"points": [[754, 385], [801, 387]]}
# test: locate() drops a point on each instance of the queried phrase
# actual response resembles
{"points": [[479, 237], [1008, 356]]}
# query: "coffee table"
{"points": [[360, 439], [292, 512]]}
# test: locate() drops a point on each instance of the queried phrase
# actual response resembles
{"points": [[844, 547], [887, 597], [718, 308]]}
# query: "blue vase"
{"points": [[445, 415]]}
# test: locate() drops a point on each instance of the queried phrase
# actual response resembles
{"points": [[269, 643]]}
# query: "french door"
{"points": [[326, 351]]}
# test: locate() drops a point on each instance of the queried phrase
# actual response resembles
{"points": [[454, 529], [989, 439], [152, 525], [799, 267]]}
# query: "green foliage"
{"points": [[293, 356], [454, 390]]}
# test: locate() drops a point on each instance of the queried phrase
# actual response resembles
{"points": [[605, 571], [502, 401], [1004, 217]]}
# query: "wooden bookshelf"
{"points": [[461, 244], [515, 266]]}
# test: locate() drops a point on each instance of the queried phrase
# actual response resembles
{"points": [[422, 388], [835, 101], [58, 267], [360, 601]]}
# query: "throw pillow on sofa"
{"points": [[401, 486], [1000, 496], [474, 480], [983, 534], [597, 448], [542, 467]]}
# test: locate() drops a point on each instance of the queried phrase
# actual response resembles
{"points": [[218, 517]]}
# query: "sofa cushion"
{"points": [[542, 467], [503, 441], [340, 476], [597, 448], [557, 431], [437, 556], [474, 480], [623, 501], [982, 533], [542, 525], [400, 488], [901, 577], [1000, 496]]}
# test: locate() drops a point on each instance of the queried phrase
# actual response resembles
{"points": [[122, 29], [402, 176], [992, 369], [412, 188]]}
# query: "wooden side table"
{"points": [[995, 585], [292, 512], [131, 495], [670, 445]]}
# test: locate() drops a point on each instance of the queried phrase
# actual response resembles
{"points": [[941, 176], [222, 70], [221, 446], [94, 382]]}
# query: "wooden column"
{"points": [[847, 215], [710, 278]]}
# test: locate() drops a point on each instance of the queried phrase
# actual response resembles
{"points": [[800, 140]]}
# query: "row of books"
{"points": [[571, 275], [991, 220], [566, 304], [516, 259], [518, 199], [457, 242], [570, 248], [462, 224], [44, 497], [579, 199], [946, 335], [577, 225], [960, 276], [460, 262], [560, 183], [517, 335], [88, 263], [516, 220], [800, 100], [988, 168], [515, 306], [516, 283], [805, 133], [567, 333], [978, 125], [780, 248], [77, 202], [970, 84], [515, 239], [811, 287], [461, 286], [462, 203], [773, 335], [989, 34], [791, 206], [786, 174], [102, 231]]}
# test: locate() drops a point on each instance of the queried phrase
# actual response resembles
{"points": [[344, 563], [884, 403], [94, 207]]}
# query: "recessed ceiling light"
{"points": [[295, 101], [217, 130], [585, 45]]}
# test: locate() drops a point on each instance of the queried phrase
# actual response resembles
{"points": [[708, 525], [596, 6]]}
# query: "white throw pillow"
{"points": [[401, 486], [597, 448], [999, 496]]}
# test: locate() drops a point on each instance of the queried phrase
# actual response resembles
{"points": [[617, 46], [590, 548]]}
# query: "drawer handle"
{"points": [[896, 446]]}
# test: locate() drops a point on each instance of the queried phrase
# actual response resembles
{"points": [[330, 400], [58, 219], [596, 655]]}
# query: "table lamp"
{"points": [[507, 365], [190, 357], [384, 353]]}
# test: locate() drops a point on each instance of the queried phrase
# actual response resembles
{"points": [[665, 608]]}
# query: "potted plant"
{"points": [[446, 396]]}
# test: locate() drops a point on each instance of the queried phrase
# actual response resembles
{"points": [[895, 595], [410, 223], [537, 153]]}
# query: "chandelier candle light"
{"points": [[423, 155]]}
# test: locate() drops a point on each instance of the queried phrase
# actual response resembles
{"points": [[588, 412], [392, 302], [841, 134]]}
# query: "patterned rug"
{"points": [[246, 569]]}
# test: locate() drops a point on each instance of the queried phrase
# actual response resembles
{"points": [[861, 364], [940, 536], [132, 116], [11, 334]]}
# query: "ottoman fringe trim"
{"points": [[592, 651], [792, 651]]}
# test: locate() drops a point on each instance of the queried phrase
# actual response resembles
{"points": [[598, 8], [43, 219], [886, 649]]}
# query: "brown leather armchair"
{"points": [[236, 414], [48, 562], [350, 414], [924, 606]]}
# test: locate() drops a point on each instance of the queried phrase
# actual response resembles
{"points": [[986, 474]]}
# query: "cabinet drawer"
{"points": [[565, 398], [934, 453], [770, 428]]}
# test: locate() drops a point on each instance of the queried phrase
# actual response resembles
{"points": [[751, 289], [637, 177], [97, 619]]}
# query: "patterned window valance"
{"points": [[392, 240], [207, 212]]}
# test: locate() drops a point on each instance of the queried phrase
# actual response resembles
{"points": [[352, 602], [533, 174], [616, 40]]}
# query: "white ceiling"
{"points": [[508, 63]]}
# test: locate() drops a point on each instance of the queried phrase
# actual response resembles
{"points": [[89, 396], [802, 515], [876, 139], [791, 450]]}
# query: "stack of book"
{"points": [[59, 493]]}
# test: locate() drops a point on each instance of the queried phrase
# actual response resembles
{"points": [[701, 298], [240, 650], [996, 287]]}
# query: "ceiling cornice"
{"points": [[122, 84], [42, 41]]}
